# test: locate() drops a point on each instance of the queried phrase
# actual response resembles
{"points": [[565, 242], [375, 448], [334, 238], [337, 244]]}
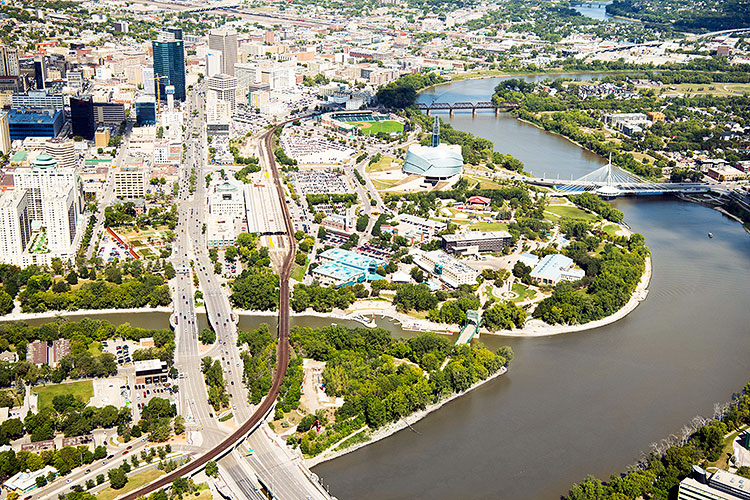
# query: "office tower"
{"points": [[9, 65], [213, 62], [34, 123], [225, 88], [268, 37], [169, 61], [15, 226], [145, 111], [40, 72], [4, 133], [225, 41], [82, 117], [175, 32]]}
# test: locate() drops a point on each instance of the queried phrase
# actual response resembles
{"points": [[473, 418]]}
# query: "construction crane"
{"points": [[156, 79]]}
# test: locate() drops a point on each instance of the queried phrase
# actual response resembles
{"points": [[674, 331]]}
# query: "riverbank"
{"points": [[19, 316], [394, 427]]}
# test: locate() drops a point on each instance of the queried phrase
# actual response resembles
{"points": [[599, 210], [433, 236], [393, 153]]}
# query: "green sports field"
{"points": [[386, 126]]}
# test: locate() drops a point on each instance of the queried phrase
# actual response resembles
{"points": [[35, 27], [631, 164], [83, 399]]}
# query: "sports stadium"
{"points": [[362, 122]]}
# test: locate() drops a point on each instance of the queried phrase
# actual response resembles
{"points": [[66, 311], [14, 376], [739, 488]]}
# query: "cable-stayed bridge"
{"points": [[610, 181]]}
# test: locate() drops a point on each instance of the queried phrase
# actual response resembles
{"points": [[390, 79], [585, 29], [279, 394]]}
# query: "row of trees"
{"points": [[64, 460], [214, 376]]}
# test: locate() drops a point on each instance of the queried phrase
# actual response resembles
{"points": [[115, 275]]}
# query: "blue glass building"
{"points": [[169, 61], [145, 111], [34, 123]]}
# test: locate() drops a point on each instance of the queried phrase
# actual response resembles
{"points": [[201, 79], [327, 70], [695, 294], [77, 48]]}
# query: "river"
{"points": [[580, 403], [597, 10]]}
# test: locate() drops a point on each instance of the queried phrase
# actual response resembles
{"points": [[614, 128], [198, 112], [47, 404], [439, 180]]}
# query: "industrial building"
{"points": [[452, 272], [555, 268], [343, 267], [477, 241]]}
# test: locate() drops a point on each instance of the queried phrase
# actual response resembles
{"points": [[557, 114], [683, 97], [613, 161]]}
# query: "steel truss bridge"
{"points": [[451, 107]]}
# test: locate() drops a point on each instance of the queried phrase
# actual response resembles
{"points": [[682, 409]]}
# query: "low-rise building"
{"points": [[25, 481], [721, 485], [150, 370], [415, 229], [452, 272], [343, 267], [555, 268], [101, 137], [476, 241]]}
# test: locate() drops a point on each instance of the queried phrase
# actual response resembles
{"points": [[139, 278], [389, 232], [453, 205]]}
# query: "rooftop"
{"points": [[476, 235]]}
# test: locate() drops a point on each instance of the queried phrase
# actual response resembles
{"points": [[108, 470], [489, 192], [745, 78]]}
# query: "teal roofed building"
{"points": [[344, 267]]}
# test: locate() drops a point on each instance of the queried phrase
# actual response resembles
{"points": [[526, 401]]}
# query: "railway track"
{"points": [[282, 351]]}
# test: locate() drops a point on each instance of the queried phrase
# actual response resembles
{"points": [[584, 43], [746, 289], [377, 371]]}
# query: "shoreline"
{"points": [[80, 312], [394, 427]]}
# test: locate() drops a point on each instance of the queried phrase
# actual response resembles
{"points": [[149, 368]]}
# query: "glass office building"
{"points": [[169, 61]]}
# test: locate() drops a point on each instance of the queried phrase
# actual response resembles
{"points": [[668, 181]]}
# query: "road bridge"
{"points": [[470, 328], [610, 181]]}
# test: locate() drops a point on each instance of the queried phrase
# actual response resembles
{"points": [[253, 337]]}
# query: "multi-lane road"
{"points": [[278, 470]]}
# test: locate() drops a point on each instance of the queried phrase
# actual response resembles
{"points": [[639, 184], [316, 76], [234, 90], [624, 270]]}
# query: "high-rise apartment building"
{"points": [[4, 133], [9, 65], [15, 225], [169, 61], [225, 41], [62, 151]]}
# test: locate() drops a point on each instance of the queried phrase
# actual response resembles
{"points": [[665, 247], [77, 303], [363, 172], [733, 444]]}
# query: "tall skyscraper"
{"points": [[9, 65], [40, 72], [82, 117], [169, 61], [225, 41], [15, 226]]}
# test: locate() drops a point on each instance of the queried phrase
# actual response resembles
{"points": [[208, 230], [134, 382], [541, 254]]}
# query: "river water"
{"points": [[597, 10], [580, 403]]}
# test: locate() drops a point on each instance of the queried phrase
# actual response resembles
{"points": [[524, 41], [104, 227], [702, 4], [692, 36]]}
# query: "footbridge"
{"points": [[470, 328], [452, 107], [610, 181]]}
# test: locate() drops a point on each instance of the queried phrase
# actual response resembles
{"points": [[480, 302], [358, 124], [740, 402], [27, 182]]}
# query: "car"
{"points": [[104, 463], [125, 452], [130, 447], [111, 456], [67, 480], [232, 382], [87, 471]]}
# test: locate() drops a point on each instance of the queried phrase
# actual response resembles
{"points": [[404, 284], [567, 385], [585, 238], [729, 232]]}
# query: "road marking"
{"points": [[270, 242]]}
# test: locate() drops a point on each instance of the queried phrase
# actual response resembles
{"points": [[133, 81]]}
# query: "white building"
{"points": [[224, 87], [282, 76], [147, 76], [226, 200], [130, 182], [63, 151], [213, 63], [452, 272], [4, 133], [555, 268], [15, 226], [24, 482]]}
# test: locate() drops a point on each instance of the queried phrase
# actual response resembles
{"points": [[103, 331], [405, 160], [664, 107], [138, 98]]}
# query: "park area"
{"points": [[377, 127], [82, 390]]}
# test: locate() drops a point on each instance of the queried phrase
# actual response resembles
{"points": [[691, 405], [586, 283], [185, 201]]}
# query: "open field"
{"points": [[83, 390], [488, 226], [381, 165], [386, 126], [716, 89], [611, 229], [523, 292], [134, 482], [571, 213]]}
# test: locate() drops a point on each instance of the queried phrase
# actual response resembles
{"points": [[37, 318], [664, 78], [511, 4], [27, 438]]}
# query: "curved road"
{"points": [[282, 350]]}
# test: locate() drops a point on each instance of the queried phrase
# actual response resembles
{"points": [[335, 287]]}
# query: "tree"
{"points": [[117, 478], [72, 278], [100, 479], [6, 302], [207, 336], [179, 424], [230, 253], [212, 469]]}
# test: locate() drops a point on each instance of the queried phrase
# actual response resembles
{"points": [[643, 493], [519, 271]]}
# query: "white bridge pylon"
{"points": [[609, 180]]}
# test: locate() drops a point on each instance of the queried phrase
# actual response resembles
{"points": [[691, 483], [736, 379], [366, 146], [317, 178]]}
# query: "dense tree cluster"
{"points": [[402, 93], [257, 286], [64, 460], [259, 361], [72, 417], [325, 299], [361, 367], [710, 15], [214, 376], [591, 202]]}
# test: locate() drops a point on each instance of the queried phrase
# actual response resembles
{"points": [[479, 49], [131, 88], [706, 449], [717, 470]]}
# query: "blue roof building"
{"points": [[555, 268], [34, 123], [343, 267]]}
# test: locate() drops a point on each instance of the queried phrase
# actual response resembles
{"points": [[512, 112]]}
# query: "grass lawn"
{"points": [[488, 226], [95, 348], [572, 213], [298, 273], [383, 164], [523, 292], [726, 452], [611, 229], [387, 126], [382, 185], [134, 482], [83, 390]]}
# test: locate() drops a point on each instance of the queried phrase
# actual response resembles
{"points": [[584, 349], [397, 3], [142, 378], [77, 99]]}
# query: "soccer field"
{"points": [[387, 126]]}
